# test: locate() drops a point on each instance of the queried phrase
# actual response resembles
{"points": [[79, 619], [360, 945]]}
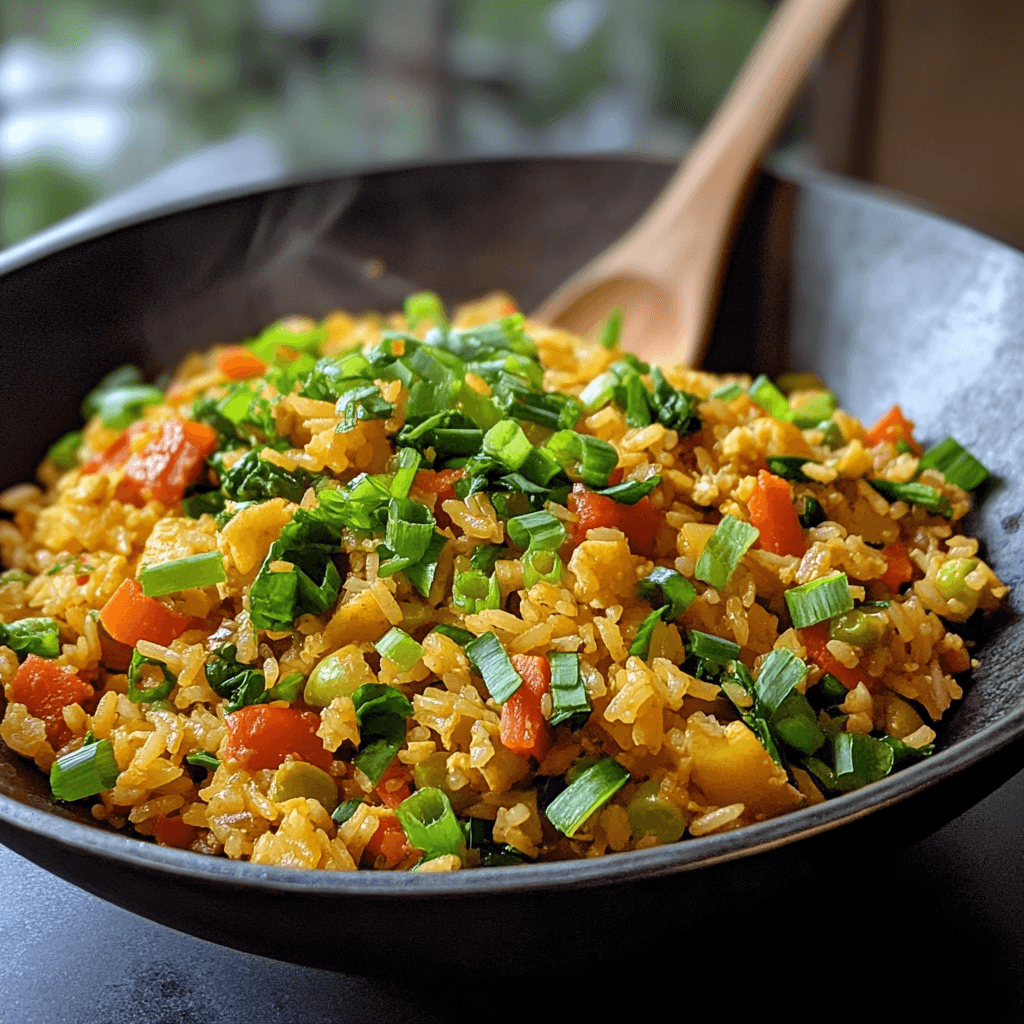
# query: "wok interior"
{"points": [[886, 304]]}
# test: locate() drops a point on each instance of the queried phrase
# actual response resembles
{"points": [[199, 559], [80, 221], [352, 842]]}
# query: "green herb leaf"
{"points": [[254, 479], [589, 791], [189, 573], [139, 694], [723, 551], [381, 712], [31, 636], [819, 600], [491, 661]]}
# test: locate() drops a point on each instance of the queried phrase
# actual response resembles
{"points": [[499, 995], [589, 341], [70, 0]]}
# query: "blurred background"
{"points": [[97, 95]]}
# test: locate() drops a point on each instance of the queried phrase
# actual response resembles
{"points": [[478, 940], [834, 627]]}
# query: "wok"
{"points": [[885, 302]]}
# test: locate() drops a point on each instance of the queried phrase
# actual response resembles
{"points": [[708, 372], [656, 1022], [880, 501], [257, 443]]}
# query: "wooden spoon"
{"points": [[665, 273]]}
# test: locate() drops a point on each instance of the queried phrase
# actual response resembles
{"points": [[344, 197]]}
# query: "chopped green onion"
{"points": [[595, 458], [819, 600], [491, 661], [345, 810], [14, 576], [817, 408], [381, 712], [31, 636], [204, 759], [599, 392], [667, 589], [904, 754], [421, 574], [789, 467], [541, 566], [629, 492], [727, 392], [485, 556], [460, 636], [956, 464], [123, 376], [89, 770], [930, 499], [780, 672], [430, 824], [409, 530], [641, 645], [407, 461], [860, 759], [474, 592], [765, 394], [568, 693], [585, 794], [723, 551], [507, 443], [813, 514], [610, 330], [424, 306], [796, 724], [538, 530], [288, 688], [676, 409], [187, 573], [637, 401], [540, 467], [121, 407], [63, 453], [717, 649], [396, 645], [139, 694]]}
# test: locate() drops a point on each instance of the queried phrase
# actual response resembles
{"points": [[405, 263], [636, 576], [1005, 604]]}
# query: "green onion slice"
{"points": [[204, 759], [407, 461], [424, 306], [460, 636], [717, 649], [430, 823], [568, 693], [723, 551], [727, 392], [611, 328], [641, 645], [930, 499], [541, 566], [780, 672], [63, 453], [538, 530], [789, 467], [629, 492], [507, 443], [667, 589], [588, 792], [492, 663], [765, 394], [956, 464], [819, 600], [202, 570], [817, 408], [89, 770], [139, 694], [396, 645], [860, 759]]}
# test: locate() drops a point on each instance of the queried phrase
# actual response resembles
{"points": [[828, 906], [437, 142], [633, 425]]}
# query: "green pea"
{"points": [[952, 581], [331, 678], [865, 629], [297, 778], [650, 815]]}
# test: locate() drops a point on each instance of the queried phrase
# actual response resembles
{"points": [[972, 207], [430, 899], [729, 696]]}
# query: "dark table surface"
{"points": [[913, 931]]}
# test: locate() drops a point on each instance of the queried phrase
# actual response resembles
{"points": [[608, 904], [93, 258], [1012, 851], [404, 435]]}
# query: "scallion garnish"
{"points": [[715, 649], [538, 530], [585, 794], [610, 329], [817, 408], [202, 570], [928, 498], [89, 770], [765, 394], [727, 392], [396, 645], [641, 645], [956, 464], [668, 590], [781, 671], [139, 694], [592, 458], [629, 492], [789, 467], [204, 759], [430, 823], [407, 461], [541, 566], [568, 693], [819, 600], [409, 530], [31, 636], [460, 636], [345, 810], [424, 306], [813, 514], [860, 759], [492, 663], [63, 453], [723, 551], [381, 712], [474, 592]]}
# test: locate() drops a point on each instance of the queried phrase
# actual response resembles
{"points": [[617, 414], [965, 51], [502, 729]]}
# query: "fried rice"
{"points": [[394, 593]]}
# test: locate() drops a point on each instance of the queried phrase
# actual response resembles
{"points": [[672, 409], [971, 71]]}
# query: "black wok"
{"points": [[884, 302]]}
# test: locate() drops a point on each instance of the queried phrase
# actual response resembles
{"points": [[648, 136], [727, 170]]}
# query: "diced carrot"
{"points": [[129, 616], [641, 523], [441, 483], [524, 730], [955, 660], [263, 735], [393, 786], [899, 568], [117, 453], [815, 639], [893, 426], [46, 688], [389, 840], [771, 511], [175, 832], [238, 363], [169, 464]]}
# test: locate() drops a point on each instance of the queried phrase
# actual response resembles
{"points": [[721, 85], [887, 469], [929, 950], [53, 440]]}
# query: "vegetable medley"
{"points": [[427, 594]]}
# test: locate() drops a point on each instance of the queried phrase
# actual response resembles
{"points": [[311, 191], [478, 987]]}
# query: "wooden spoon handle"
{"points": [[749, 115]]}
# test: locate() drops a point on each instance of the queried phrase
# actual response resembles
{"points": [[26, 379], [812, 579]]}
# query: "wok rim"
{"points": [[672, 859]]}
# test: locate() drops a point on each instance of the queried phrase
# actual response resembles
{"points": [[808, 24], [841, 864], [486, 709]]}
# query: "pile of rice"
{"points": [[75, 543]]}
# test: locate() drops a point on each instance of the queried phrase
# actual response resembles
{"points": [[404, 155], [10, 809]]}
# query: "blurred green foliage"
{"points": [[339, 83]]}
